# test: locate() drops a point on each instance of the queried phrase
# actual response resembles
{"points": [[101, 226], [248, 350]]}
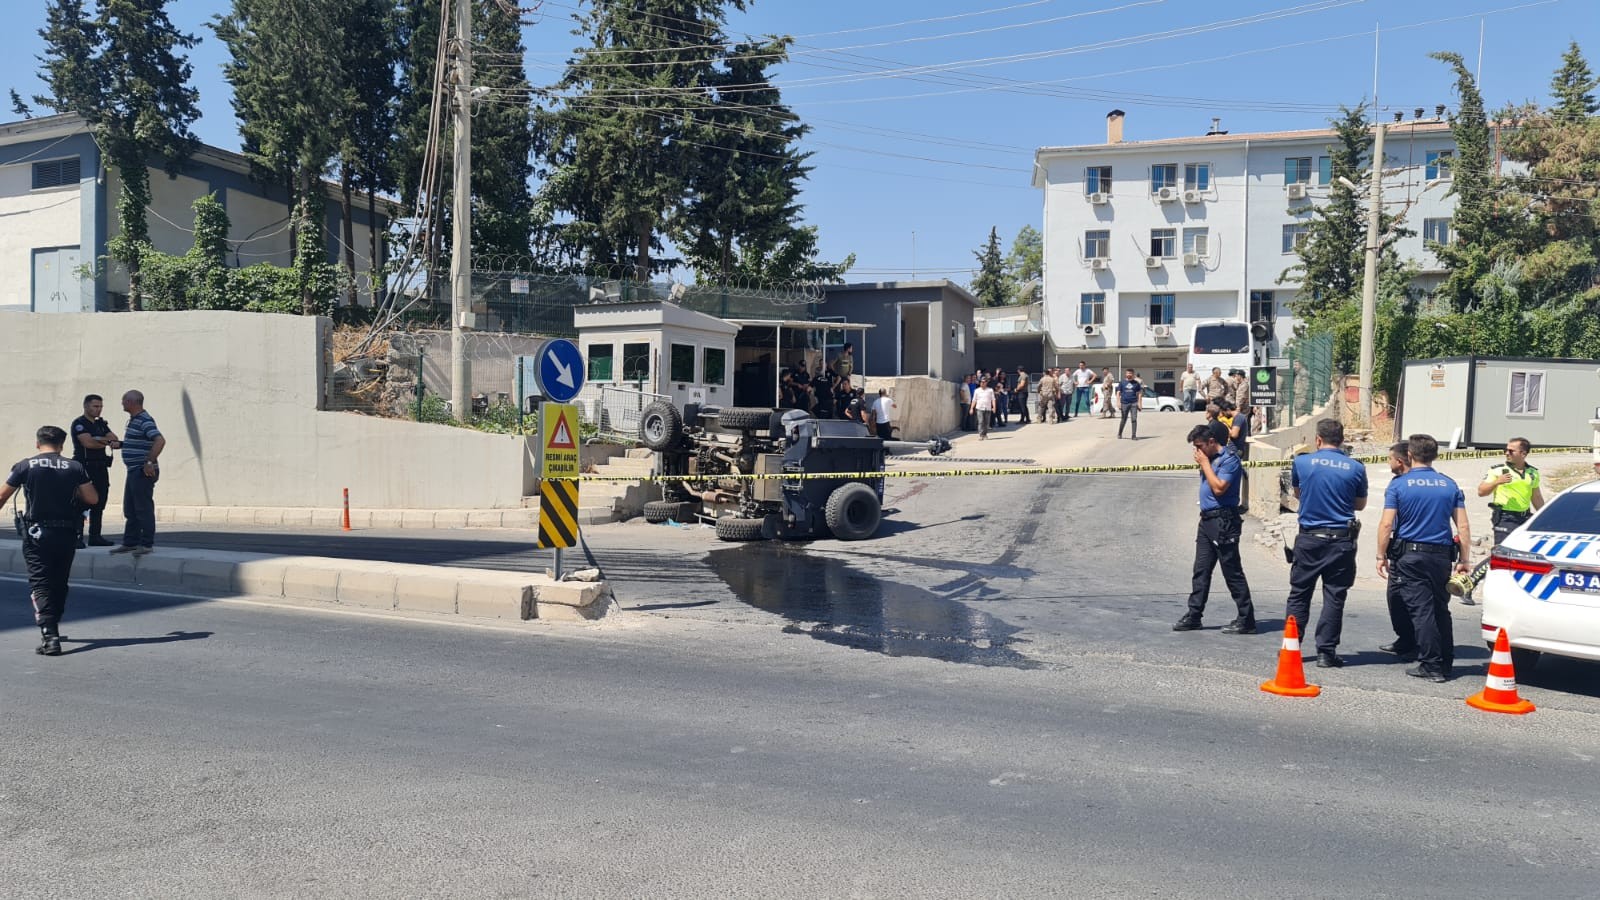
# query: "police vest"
{"points": [[1516, 495]]}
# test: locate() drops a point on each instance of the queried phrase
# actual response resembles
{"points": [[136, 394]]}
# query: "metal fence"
{"points": [[1307, 378], [614, 412]]}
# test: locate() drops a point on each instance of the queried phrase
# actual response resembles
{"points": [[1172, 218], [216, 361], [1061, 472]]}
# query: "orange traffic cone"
{"points": [[1291, 678], [1499, 692]]}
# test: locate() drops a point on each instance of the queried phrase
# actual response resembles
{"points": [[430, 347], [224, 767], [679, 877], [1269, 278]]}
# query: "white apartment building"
{"points": [[1143, 239]]}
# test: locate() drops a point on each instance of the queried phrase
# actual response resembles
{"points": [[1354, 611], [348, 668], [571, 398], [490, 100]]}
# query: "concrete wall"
{"points": [[926, 407], [237, 396]]}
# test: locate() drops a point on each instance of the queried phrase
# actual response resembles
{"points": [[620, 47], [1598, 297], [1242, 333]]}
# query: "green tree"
{"points": [[1469, 256], [1025, 265], [1332, 256], [20, 107], [370, 55], [1573, 87], [123, 72], [990, 285]]}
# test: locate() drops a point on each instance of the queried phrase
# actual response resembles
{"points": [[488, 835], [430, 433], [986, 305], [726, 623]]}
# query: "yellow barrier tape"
{"points": [[1031, 470]]}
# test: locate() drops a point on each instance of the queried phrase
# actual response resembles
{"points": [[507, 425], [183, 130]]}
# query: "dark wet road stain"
{"points": [[832, 601]]}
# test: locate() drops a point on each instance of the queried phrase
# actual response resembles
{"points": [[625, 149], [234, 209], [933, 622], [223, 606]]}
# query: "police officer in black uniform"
{"points": [[1418, 508], [1331, 488], [92, 439], [58, 490]]}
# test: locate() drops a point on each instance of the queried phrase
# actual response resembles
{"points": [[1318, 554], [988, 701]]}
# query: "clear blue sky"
{"points": [[946, 152]]}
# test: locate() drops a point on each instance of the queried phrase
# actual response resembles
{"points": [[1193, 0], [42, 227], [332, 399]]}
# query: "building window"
{"points": [[636, 362], [55, 173], [1163, 176], [1527, 394], [1197, 176], [1097, 180], [1436, 231], [681, 363], [1294, 234], [1096, 244], [1165, 382], [1164, 242], [1161, 309], [1092, 309], [1324, 170], [1439, 164], [600, 362], [714, 366], [958, 337], [1262, 307], [1297, 170], [1197, 241]]}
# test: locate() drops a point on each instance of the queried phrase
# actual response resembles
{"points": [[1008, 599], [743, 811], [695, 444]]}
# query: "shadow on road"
{"points": [[87, 644]]}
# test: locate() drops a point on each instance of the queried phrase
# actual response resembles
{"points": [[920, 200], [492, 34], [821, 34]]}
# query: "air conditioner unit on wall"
{"points": [[1100, 263], [1297, 192], [1152, 262], [1193, 196], [1167, 195], [1162, 331], [1099, 198], [1091, 331], [1191, 259]]}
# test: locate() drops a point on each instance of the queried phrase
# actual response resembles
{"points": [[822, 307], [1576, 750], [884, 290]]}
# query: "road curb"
{"points": [[355, 584]]}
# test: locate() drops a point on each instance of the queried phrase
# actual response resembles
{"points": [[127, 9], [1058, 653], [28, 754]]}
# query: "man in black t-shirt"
{"points": [[92, 441], [57, 489]]}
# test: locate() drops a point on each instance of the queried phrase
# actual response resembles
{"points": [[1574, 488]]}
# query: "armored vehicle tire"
{"points": [[743, 417], [733, 528], [660, 425], [853, 512], [662, 510]]}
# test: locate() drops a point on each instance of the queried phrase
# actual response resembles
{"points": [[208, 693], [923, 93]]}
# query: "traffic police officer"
{"points": [[54, 486], [1331, 488], [1418, 508], [91, 438], [1514, 487], [1218, 537]]}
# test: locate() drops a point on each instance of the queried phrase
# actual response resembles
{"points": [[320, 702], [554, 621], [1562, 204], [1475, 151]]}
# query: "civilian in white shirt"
{"points": [[1083, 379], [983, 407], [883, 411]]}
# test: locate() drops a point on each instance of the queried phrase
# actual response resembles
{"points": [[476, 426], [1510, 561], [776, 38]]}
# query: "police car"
{"points": [[1543, 585]]}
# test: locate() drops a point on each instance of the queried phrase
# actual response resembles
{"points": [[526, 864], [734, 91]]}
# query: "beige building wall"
{"points": [[237, 396], [54, 217]]}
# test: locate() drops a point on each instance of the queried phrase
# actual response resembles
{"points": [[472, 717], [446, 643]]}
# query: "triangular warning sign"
{"points": [[561, 436]]}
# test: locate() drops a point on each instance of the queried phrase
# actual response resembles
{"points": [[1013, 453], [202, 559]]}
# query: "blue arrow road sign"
{"points": [[560, 370]]}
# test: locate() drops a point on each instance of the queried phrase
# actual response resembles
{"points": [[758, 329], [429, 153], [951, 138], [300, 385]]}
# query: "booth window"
{"points": [[600, 362], [682, 363], [636, 362], [1526, 395], [715, 366]]}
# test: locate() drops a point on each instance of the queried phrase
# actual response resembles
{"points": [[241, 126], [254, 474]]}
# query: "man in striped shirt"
{"points": [[142, 444]]}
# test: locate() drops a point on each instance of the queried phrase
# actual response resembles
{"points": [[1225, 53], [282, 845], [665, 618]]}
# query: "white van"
{"points": [[1224, 344]]}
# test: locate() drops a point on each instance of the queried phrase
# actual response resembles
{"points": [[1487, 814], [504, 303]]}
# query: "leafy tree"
{"points": [[1469, 256], [370, 55], [1332, 256], [991, 285], [123, 71], [1573, 87], [1025, 265]]}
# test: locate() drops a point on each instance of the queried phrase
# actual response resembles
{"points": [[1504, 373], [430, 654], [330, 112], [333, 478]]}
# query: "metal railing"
{"points": [[1307, 379], [614, 411]]}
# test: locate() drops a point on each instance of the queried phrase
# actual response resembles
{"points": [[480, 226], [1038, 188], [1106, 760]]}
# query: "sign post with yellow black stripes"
{"points": [[558, 482]]}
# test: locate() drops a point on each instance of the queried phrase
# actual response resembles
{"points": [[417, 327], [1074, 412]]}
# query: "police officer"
{"points": [[1331, 488], [1405, 634], [1217, 539], [1513, 492], [54, 486], [92, 438], [1418, 508]]}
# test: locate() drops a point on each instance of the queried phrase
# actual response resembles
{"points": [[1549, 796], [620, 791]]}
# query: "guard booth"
{"points": [[657, 347], [1483, 401]]}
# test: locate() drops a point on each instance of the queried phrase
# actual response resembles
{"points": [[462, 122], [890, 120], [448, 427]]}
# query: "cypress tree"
{"points": [[990, 284], [370, 55], [1573, 87], [1469, 256]]}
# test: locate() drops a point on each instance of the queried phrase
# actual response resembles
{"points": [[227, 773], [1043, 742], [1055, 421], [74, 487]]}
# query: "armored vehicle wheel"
{"points": [[733, 528], [660, 425], [662, 510], [853, 512], [743, 417]]}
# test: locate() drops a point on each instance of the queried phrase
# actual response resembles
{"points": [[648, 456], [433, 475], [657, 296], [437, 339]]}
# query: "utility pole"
{"points": [[1369, 281], [461, 218]]}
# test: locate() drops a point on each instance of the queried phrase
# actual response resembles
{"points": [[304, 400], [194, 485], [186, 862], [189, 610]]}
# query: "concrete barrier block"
{"points": [[559, 612], [328, 518], [214, 515], [158, 571], [299, 517], [373, 590], [576, 594], [183, 515], [416, 518], [450, 518], [310, 582], [520, 518], [495, 600], [263, 578], [384, 518], [426, 593], [241, 515], [117, 569], [484, 518], [210, 576], [269, 516]]}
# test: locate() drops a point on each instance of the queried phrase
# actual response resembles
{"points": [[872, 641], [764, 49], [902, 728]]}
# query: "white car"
{"points": [[1543, 585], [1150, 402]]}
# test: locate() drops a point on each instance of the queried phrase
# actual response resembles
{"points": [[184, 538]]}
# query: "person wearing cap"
{"points": [[1331, 488], [1418, 510]]}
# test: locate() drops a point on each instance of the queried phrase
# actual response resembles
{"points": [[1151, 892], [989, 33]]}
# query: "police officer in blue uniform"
{"points": [[1331, 488], [1218, 537], [58, 490], [1418, 508]]}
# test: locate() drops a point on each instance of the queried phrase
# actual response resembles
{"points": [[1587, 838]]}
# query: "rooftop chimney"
{"points": [[1416, 113], [1216, 127], [1114, 126], [1399, 116], [1438, 111]]}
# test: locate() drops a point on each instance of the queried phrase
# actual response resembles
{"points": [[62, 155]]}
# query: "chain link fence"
{"points": [[614, 412], [1307, 377]]}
